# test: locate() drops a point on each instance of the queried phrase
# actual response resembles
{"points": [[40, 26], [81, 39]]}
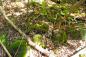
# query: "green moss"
{"points": [[38, 40]]}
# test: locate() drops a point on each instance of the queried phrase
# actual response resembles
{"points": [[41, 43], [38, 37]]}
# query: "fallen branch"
{"points": [[37, 47]]}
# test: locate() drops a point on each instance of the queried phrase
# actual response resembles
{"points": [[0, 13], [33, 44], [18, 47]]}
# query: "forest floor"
{"points": [[72, 48], [67, 50]]}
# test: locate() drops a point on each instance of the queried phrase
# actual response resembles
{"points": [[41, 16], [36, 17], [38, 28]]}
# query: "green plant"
{"points": [[73, 33], [18, 48], [39, 27], [59, 37], [4, 43], [57, 14], [3, 39], [43, 8], [83, 33]]}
